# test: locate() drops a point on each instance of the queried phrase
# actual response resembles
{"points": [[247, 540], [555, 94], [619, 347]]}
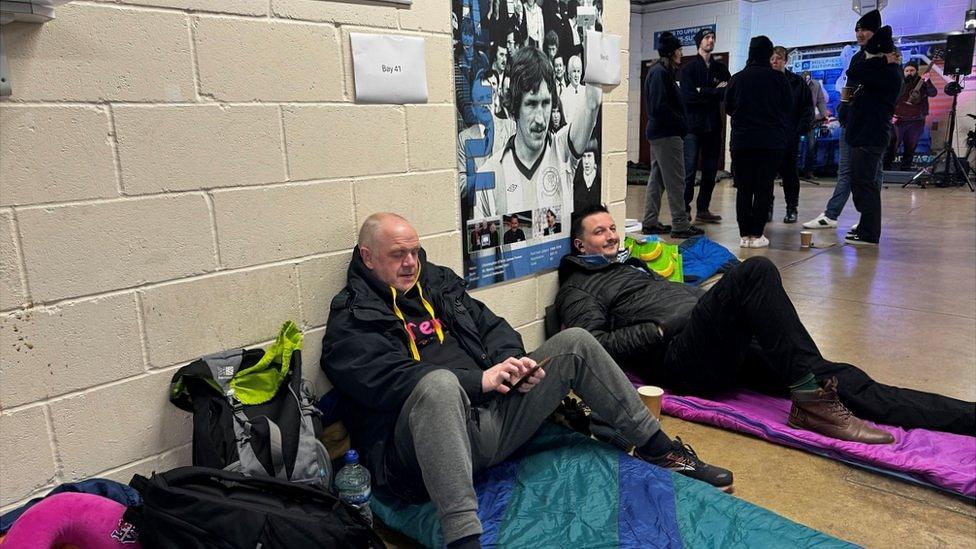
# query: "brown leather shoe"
{"points": [[708, 217], [822, 412]]}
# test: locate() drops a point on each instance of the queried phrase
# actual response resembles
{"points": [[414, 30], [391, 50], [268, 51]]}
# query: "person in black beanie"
{"points": [[798, 123], [703, 82], [869, 128], [665, 132], [864, 29], [760, 102]]}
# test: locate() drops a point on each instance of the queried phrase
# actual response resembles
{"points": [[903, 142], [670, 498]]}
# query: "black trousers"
{"points": [[908, 133], [755, 170], [864, 165], [745, 332], [707, 145], [788, 171]]}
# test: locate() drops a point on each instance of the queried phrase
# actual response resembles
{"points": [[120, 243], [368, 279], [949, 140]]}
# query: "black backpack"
{"points": [[253, 413], [199, 507]]}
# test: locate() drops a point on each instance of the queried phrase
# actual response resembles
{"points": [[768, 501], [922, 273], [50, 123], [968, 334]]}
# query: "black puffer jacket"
{"points": [[366, 355], [760, 102], [802, 119], [701, 94], [623, 305]]}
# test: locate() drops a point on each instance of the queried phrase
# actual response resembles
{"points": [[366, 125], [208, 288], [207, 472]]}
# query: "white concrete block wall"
{"points": [[179, 177]]}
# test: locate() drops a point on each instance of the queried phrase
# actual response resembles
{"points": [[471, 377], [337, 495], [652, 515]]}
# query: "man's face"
{"points": [[778, 62], [863, 35], [559, 68], [589, 162], [501, 60], [708, 43], [557, 118], [394, 255], [513, 223], [806, 78], [599, 236], [510, 43], [575, 73], [910, 71], [551, 219], [551, 51], [533, 117]]}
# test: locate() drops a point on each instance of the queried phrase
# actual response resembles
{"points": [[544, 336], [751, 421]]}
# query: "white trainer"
{"points": [[821, 222], [745, 242], [759, 242]]}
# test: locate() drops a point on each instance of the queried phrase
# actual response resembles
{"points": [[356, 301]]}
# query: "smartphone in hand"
{"points": [[528, 374]]}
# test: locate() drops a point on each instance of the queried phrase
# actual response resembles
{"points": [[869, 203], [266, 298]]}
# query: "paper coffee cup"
{"points": [[651, 396], [846, 93], [806, 239]]}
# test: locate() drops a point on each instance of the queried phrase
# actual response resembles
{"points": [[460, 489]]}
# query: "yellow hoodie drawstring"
{"points": [[430, 310]]}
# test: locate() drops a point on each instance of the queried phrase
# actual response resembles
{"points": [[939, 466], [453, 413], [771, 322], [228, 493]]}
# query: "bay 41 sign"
{"points": [[528, 132]]}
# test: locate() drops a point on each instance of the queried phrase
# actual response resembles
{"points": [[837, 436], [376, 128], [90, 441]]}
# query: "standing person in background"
{"points": [[573, 96], [865, 28], [703, 82], [869, 127], [797, 124], [666, 127], [910, 112], [760, 101], [819, 97]]}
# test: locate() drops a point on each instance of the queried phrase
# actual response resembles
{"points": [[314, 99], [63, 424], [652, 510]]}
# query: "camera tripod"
{"points": [[954, 173]]}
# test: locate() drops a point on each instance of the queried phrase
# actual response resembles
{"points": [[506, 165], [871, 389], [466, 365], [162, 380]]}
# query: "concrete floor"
{"points": [[905, 312]]}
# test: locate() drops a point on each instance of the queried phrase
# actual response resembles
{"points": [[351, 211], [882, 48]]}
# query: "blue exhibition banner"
{"points": [[686, 35]]}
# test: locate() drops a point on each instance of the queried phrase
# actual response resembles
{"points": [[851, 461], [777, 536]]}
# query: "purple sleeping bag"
{"points": [[943, 460]]}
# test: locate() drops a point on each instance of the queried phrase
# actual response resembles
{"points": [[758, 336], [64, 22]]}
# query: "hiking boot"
{"points": [[682, 459], [822, 412], [659, 228], [687, 233], [708, 217], [790, 215], [821, 222]]}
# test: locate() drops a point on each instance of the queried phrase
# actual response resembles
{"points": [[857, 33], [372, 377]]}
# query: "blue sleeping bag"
{"points": [[563, 489]]}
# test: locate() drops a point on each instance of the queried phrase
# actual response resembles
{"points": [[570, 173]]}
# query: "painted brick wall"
{"points": [[178, 177]]}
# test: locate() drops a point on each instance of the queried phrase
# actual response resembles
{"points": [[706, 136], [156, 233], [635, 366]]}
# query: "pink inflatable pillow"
{"points": [[72, 520]]}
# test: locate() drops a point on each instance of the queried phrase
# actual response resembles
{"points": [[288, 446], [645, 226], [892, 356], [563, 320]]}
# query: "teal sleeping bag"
{"points": [[563, 489]]}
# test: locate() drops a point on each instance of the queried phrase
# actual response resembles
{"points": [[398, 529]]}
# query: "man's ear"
{"points": [[579, 244], [367, 256]]}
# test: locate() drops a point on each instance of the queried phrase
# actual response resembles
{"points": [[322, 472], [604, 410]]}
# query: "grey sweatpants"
{"points": [[667, 173], [441, 435]]}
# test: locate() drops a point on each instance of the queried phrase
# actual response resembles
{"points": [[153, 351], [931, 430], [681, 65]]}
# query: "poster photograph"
{"points": [[528, 127]]}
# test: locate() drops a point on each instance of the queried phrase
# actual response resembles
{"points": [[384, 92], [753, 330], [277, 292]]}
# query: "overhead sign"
{"points": [[686, 35]]}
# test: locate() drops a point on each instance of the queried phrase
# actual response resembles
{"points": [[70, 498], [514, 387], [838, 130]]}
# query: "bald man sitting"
{"points": [[426, 375]]}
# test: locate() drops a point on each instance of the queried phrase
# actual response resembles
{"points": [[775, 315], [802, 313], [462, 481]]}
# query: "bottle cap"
{"points": [[352, 456]]}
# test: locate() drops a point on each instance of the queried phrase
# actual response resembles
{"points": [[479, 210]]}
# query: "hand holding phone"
{"points": [[529, 374]]}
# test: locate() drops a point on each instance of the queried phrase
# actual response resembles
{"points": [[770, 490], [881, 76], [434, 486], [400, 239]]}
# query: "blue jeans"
{"points": [[843, 189]]}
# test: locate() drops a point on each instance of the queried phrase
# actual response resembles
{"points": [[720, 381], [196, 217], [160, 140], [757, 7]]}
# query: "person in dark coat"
{"points": [[760, 102], [799, 123], [868, 129], [743, 332], [425, 373], [910, 112], [864, 29], [665, 131], [703, 82]]}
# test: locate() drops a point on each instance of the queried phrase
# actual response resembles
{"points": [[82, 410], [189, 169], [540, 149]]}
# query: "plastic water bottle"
{"points": [[353, 484]]}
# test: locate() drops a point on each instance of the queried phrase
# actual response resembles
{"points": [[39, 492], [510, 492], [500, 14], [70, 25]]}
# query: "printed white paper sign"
{"points": [[602, 58], [389, 69]]}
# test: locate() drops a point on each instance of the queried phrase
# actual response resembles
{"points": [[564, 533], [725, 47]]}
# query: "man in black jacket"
{"points": [[666, 127], [798, 124], [868, 130], [426, 372], [703, 82], [744, 331], [760, 103], [864, 29]]}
